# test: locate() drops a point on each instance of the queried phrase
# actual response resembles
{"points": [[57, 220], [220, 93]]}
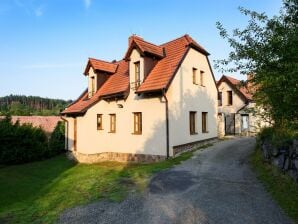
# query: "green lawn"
{"points": [[38, 192], [282, 187]]}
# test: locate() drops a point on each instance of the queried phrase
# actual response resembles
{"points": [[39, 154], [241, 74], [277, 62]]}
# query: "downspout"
{"points": [[167, 123], [66, 134]]}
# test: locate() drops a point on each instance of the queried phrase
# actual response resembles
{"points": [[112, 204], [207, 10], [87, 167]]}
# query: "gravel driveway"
{"points": [[215, 186]]}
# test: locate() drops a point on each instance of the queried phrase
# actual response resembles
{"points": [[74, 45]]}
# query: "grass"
{"points": [[38, 192], [284, 189]]}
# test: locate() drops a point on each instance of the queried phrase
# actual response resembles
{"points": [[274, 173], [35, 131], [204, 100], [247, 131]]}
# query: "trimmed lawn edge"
{"points": [[282, 188]]}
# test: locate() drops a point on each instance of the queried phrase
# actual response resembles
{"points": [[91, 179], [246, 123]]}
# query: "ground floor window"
{"points": [[99, 122], [112, 123], [193, 122], [137, 120], [204, 122]]}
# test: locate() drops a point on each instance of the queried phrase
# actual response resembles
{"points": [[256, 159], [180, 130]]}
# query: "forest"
{"points": [[31, 105]]}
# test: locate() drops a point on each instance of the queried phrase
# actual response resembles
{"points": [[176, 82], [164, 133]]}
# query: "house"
{"points": [[237, 111], [47, 123], [154, 103]]}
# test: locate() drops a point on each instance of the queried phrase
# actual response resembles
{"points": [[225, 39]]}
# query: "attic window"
{"points": [[137, 75], [230, 98], [202, 78], [194, 76]]}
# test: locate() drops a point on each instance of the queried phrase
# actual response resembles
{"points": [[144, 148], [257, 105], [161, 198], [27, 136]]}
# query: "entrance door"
{"points": [[244, 123], [230, 124]]}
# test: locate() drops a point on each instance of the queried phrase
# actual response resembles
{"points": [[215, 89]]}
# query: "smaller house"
{"points": [[237, 111]]}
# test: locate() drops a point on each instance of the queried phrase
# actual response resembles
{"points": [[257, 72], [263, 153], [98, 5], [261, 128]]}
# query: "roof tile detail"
{"points": [[116, 83], [237, 84], [100, 66]]}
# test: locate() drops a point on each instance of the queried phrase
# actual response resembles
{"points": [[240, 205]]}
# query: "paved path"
{"points": [[215, 186]]}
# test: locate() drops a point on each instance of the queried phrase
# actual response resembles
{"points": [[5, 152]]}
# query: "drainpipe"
{"points": [[66, 134], [167, 123]]}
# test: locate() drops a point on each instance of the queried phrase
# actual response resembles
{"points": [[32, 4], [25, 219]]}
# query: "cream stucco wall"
{"points": [[184, 96]]}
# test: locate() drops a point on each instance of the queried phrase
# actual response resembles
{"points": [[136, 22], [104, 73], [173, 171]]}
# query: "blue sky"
{"points": [[44, 44]]}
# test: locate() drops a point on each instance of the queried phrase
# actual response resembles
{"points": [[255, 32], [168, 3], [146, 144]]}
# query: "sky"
{"points": [[45, 44]]}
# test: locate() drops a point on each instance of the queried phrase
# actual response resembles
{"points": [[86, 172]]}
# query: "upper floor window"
{"points": [[230, 97], [219, 98], [137, 74], [99, 122], [202, 78], [193, 122], [92, 86], [194, 76], [112, 123], [205, 122], [137, 123]]}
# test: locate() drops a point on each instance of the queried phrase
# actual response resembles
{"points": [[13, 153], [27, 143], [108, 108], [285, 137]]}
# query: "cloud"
{"points": [[30, 7], [87, 3], [38, 11]]}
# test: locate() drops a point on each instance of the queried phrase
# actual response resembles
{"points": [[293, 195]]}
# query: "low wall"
{"points": [[285, 157], [178, 149], [114, 156]]}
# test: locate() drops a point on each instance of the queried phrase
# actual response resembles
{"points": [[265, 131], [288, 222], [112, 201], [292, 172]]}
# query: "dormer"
{"points": [[98, 72], [142, 57]]}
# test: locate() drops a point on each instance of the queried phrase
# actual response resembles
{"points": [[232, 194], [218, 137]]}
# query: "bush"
{"points": [[57, 140], [25, 143], [278, 137]]}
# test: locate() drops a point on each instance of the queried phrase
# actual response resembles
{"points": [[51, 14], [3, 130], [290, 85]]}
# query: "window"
{"points": [[137, 123], [202, 81], [219, 98], [205, 122], [230, 97], [194, 76], [112, 123], [137, 75], [92, 86], [192, 122], [99, 122]]}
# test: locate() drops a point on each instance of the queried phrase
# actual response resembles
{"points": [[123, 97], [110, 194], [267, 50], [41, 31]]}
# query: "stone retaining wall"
{"points": [[115, 156], [177, 150], [285, 157]]}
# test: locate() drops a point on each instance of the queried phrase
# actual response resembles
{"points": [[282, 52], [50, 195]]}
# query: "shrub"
{"points": [[25, 143], [57, 140]]}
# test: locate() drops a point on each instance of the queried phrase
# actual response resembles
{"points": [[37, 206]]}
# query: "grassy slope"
{"points": [[282, 188], [38, 192]]}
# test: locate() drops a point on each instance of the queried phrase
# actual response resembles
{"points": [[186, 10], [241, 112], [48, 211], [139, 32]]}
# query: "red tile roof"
{"points": [[243, 90], [47, 123], [144, 47], [170, 55], [100, 65], [116, 83]]}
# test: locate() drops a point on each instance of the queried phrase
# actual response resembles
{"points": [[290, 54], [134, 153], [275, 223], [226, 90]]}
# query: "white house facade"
{"points": [[157, 101]]}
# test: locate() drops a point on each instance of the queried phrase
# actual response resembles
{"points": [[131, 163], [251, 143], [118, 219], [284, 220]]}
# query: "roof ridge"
{"points": [[111, 62], [174, 40]]}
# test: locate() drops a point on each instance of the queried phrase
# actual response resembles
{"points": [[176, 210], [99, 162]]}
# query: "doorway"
{"points": [[230, 124]]}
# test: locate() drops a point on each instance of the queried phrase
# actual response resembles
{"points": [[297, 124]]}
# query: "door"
{"points": [[230, 124], [244, 123]]}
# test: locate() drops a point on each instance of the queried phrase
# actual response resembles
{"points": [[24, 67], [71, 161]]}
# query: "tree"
{"points": [[268, 49]]}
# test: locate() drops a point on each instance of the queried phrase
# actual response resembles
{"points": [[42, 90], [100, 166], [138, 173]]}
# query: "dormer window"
{"points": [[137, 74], [91, 86]]}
